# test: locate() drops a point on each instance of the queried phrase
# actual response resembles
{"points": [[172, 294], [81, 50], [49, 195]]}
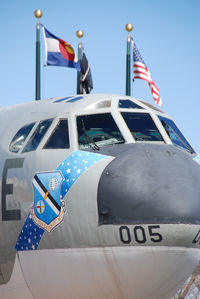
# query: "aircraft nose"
{"points": [[150, 184]]}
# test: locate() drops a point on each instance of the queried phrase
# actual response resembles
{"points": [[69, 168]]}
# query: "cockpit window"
{"points": [[97, 130], [60, 136], [19, 139], [128, 104], [174, 134], [38, 135], [142, 126]]}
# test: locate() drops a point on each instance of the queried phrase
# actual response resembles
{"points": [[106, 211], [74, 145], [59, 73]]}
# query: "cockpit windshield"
{"points": [[97, 130], [142, 127], [174, 134]]}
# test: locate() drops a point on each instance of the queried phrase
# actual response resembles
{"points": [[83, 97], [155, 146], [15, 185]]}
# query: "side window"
{"points": [[38, 135], [175, 134], [97, 130], [59, 137], [19, 139]]}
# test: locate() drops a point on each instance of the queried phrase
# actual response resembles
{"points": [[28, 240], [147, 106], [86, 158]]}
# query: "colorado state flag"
{"points": [[59, 52]]}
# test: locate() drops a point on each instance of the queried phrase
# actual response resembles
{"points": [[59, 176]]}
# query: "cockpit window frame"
{"points": [[27, 137], [93, 112], [52, 131], [154, 119], [187, 146], [51, 119], [47, 135]]}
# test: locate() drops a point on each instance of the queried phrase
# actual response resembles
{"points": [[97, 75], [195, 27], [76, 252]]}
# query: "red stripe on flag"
{"points": [[140, 71]]}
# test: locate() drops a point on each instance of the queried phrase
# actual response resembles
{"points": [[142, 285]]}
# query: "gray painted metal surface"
{"points": [[135, 208], [149, 184]]}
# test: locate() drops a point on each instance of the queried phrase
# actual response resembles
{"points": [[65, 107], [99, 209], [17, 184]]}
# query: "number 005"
{"points": [[139, 234]]}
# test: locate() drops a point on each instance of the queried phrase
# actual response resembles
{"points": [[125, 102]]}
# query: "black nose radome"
{"points": [[150, 184]]}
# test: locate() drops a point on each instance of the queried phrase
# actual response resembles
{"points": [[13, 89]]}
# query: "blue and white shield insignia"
{"points": [[47, 210]]}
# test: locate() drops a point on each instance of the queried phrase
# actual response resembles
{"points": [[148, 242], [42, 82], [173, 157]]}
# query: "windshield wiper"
{"points": [[91, 142]]}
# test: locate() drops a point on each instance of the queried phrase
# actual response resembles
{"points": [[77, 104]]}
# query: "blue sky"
{"points": [[167, 34]]}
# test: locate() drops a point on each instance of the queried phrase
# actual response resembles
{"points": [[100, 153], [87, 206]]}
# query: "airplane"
{"points": [[99, 199]]}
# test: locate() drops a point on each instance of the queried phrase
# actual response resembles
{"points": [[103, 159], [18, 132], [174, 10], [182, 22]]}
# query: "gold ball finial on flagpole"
{"points": [[38, 13], [79, 33], [129, 27]]}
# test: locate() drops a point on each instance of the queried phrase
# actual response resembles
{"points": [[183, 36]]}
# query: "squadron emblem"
{"points": [[50, 190], [47, 210]]}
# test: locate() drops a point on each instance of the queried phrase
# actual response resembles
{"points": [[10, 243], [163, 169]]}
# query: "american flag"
{"points": [[140, 71]]}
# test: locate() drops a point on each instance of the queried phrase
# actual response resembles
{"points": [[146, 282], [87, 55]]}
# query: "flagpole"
{"points": [[79, 34], [38, 14], [129, 28]]}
